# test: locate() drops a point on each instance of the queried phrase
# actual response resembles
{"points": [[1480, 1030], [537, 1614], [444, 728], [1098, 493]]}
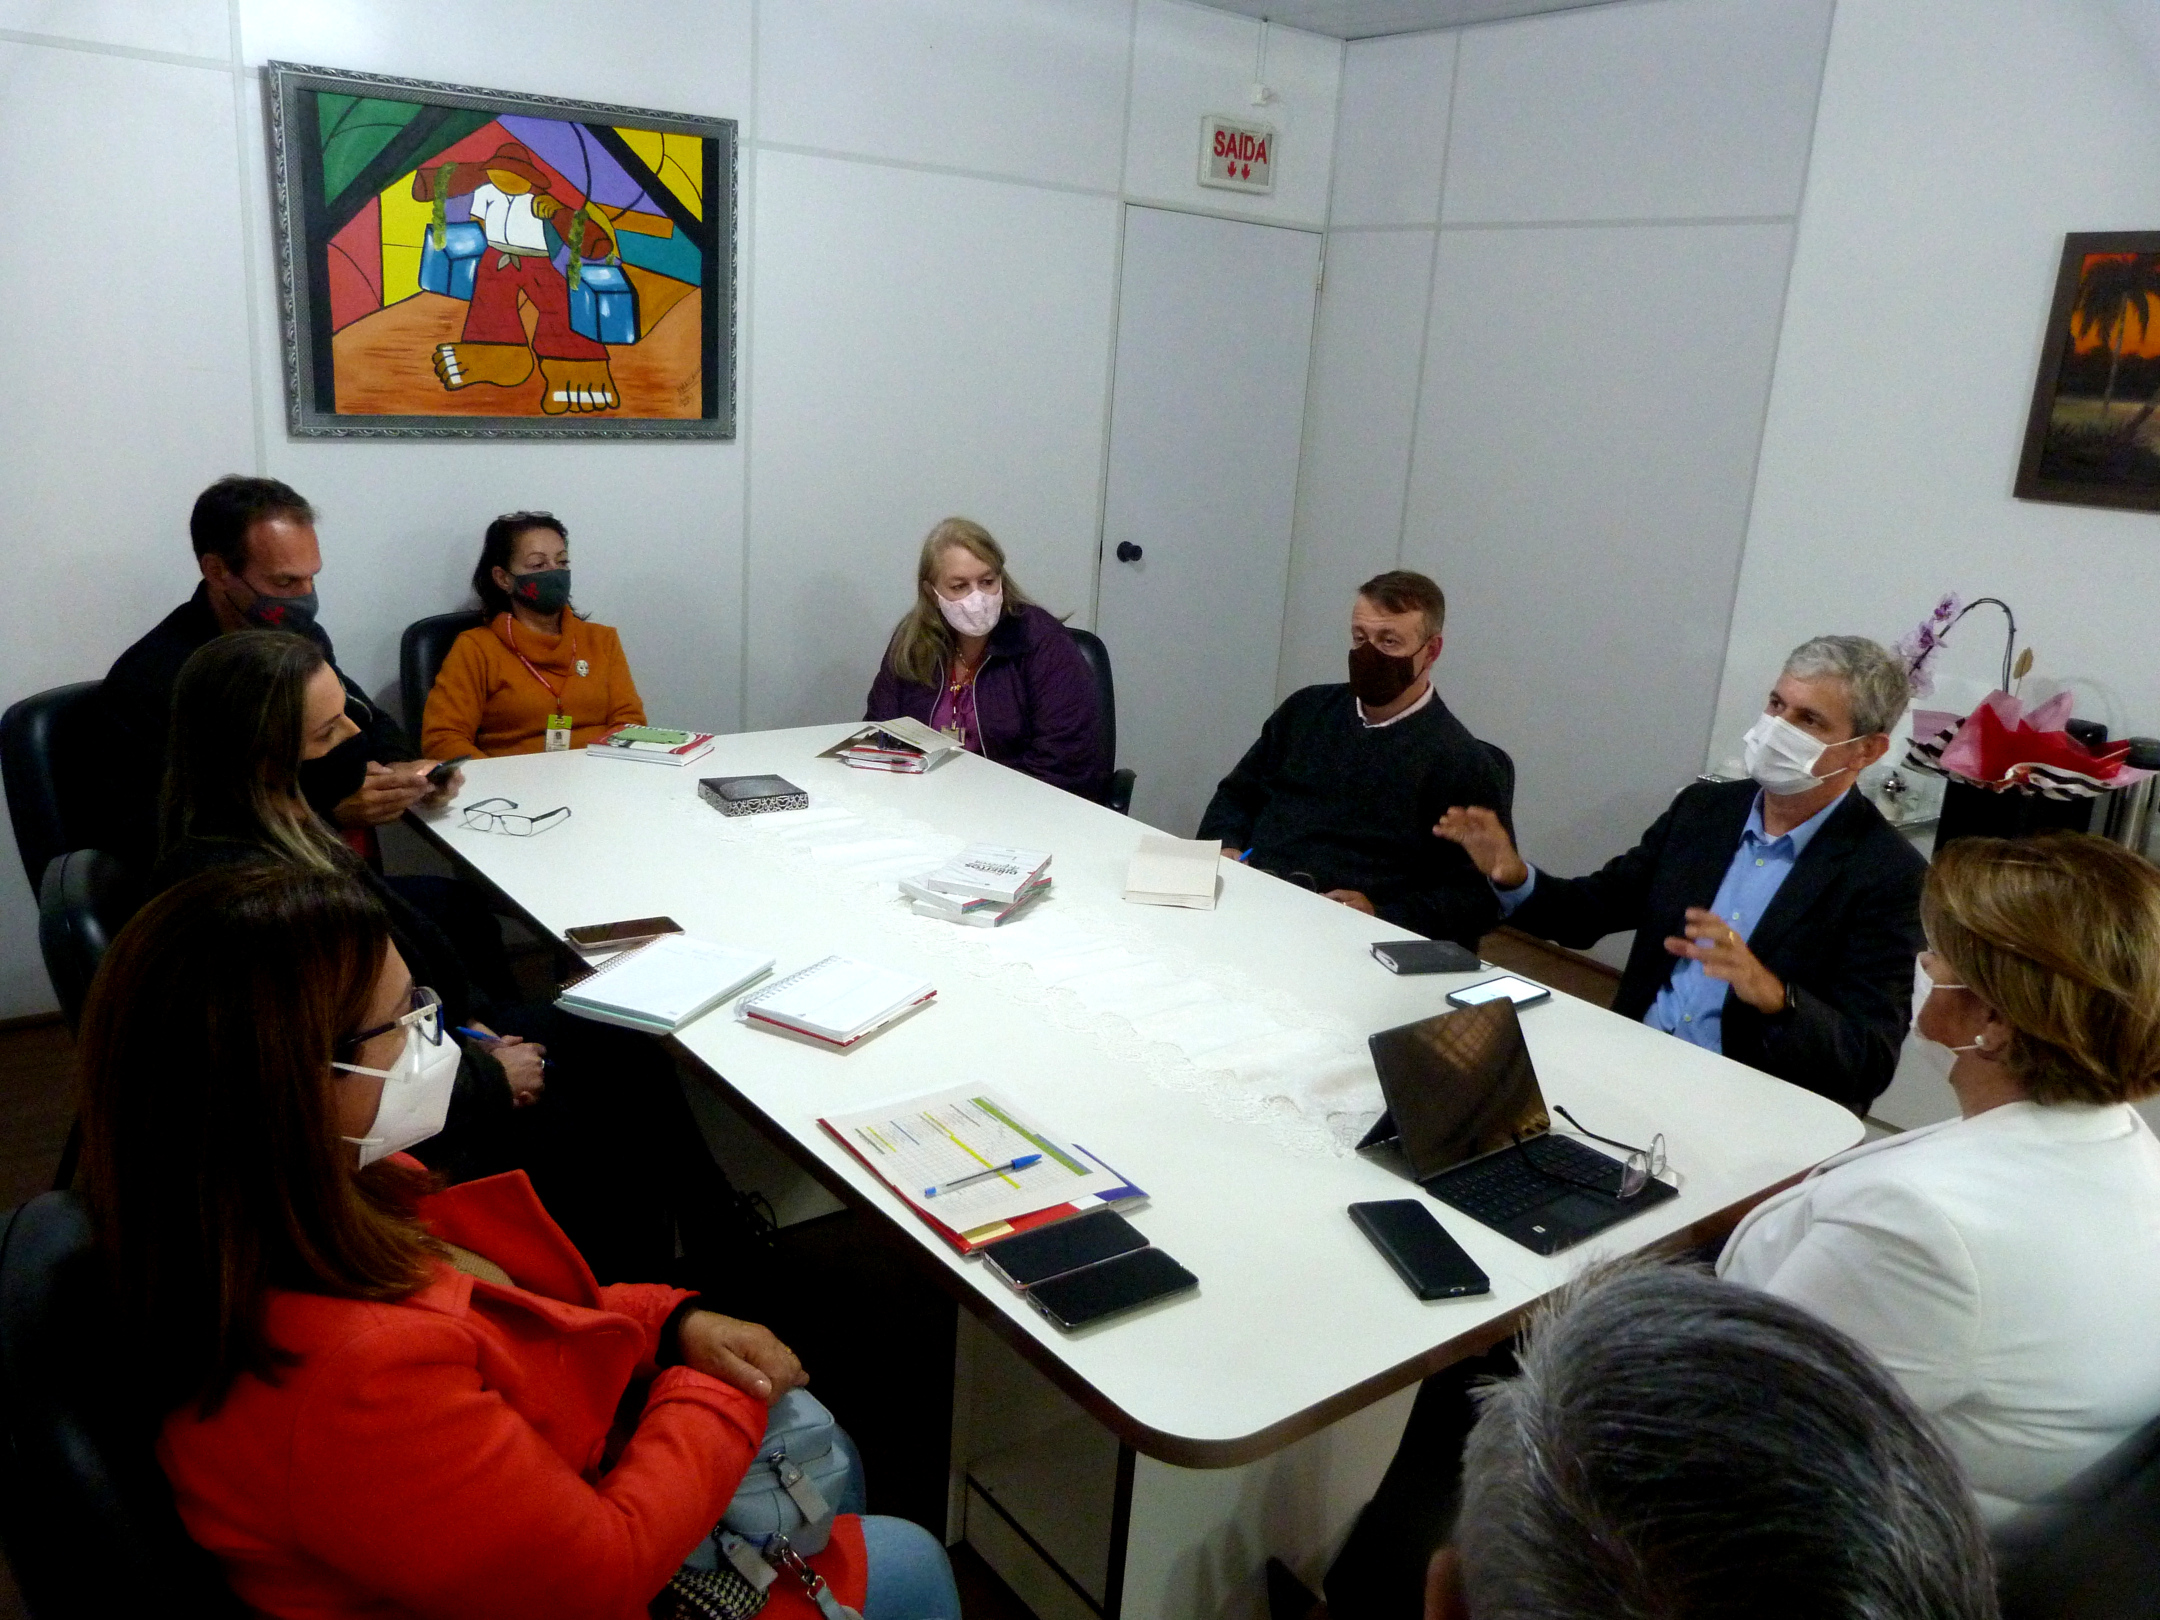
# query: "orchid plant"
{"points": [[1918, 649]]}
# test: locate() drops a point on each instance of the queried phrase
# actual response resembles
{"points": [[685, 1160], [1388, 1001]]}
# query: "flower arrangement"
{"points": [[1919, 648]]}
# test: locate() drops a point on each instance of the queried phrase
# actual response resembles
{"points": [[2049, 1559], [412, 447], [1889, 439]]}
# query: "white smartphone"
{"points": [[1520, 991]]}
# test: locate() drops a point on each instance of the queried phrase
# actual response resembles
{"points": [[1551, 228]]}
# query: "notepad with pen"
{"points": [[955, 1136], [836, 1002]]}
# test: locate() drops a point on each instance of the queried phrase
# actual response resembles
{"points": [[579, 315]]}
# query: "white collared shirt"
{"points": [[1379, 725]]}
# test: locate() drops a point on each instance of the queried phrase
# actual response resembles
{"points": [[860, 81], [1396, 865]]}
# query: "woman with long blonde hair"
{"points": [[976, 659]]}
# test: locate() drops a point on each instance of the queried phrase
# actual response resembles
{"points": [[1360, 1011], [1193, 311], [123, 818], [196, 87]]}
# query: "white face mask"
{"points": [[1938, 1058], [975, 614], [1781, 757], [415, 1096]]}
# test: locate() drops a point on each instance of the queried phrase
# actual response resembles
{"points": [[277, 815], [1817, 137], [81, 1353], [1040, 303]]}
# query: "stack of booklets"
{"points": [[838, 1002], [983, 885], [1173, 872], [905, 746], [661, 986], [655, 745], [951, 1156]]}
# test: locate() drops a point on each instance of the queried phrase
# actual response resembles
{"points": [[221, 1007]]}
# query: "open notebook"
{"points": [[661, 986], [838, 1001]]}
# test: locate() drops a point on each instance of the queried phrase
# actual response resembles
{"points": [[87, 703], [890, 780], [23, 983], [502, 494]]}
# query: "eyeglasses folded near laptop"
{"points": [[1464, 1105]]}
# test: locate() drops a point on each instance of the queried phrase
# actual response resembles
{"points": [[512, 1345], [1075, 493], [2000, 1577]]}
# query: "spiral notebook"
{"points": [[661, 986], [837, 1002]]}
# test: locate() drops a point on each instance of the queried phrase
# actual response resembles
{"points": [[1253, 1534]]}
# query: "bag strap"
{"points": [[761, 1566]]}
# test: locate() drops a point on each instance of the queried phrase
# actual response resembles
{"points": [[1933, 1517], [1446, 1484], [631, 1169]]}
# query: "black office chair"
{"points": [[86, 898], [421, 651], [50, 767], [2092, 1551], [85, 1513], [1118, 784]]}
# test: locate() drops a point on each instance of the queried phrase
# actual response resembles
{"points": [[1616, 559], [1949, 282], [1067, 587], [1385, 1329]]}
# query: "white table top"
{"points": [[1297, 1320]]}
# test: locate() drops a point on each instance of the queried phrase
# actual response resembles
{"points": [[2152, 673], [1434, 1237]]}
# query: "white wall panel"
{"points": [[1593, 401], [182, 27], [674, 55], [1029, 88], [1668, 109], [1391, 140], [1360, 411], [1188, 62], [926, 345], [1889, 453], [132, 372]]}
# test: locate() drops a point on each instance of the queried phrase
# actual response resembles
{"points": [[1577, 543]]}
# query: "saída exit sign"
{"points": [[1237, 156]]}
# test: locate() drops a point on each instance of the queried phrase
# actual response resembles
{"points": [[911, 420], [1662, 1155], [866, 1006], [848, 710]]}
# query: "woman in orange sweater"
{"points": [[535, 676]]}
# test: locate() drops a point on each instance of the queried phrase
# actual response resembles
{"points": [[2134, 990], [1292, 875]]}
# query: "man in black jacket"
{"points": [[1776, 919], [255, 545], [1344, 782]]}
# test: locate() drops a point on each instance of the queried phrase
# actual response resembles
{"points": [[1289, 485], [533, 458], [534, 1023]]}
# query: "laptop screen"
{"points": [[1457, 1086]]}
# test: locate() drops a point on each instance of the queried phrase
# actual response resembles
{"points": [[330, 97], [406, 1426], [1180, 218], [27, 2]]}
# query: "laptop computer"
{"points": [[1464, 1105]]}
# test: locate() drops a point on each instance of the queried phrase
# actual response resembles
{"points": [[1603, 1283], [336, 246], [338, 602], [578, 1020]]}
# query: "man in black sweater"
{"points": [[255, 545], [1342, 789]]}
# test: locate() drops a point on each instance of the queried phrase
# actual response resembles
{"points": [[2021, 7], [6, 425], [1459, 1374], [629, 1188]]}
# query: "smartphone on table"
{"points": [[1115, 1286], [441, 773], [1430, 1262], [1425, 956], [620, 935], [1520, 991]]}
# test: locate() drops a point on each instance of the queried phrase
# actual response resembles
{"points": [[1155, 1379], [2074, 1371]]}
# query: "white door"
{"points": [[1214, 330]]}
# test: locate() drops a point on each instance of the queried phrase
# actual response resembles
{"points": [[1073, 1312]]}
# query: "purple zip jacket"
{"points": [[1034, 699]]}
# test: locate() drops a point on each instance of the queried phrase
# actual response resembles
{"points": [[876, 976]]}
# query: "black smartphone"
{"points": [[607, 936], [1425, 956], [1028, 1258], [1418, 1247], [441, 773], [1520, 991], [1095, 1292]]}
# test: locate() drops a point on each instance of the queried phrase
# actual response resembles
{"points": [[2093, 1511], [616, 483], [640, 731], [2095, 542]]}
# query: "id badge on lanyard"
{"points": [[558, 733]]}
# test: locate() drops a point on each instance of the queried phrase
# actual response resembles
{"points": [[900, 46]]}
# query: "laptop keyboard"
{"points": [[1503, 1185]]}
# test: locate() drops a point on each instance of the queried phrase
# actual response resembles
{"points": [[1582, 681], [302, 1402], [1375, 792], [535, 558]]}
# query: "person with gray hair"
{"points": [[1777, 917], [1682, 1448]]}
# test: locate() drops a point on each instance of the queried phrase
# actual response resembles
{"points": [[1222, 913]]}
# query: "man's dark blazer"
{"points": [[1843, 932]]}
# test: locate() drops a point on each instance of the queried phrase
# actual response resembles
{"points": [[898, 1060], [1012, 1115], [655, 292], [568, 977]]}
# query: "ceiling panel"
{"points": [[1366, 19]]}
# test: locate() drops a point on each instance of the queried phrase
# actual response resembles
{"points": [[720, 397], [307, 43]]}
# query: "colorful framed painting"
{"points": [[469, 264], [2093, 438]]}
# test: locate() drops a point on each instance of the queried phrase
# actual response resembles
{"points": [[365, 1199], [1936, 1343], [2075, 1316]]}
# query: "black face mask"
{"points": [[1380, 678]]}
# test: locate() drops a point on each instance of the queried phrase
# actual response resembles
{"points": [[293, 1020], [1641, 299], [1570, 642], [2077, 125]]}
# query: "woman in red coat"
{"points": [[385, 1399]]}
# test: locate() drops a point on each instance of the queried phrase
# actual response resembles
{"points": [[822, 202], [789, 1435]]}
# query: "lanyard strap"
{"points": [[552, 691]]}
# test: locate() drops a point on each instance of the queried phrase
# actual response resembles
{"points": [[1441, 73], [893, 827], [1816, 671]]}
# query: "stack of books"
{"points": [[654, 745], [1174, 872], [905, 746], [982, 886]]}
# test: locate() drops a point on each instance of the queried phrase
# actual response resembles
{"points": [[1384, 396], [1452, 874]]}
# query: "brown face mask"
{"points": [[1380, 678]]}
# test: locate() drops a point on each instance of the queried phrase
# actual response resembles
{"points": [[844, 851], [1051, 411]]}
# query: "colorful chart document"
{"points": [[943, 1138]]}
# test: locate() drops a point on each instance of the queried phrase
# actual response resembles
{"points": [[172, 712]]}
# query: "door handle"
{"points": [[1127, 551]]}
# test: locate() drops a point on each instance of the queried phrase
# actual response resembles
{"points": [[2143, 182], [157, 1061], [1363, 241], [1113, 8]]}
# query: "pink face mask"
{"points": [[975, 614]]}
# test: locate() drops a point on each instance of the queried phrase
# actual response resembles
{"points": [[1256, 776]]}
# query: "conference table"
{"points": [[1145, 1466]]}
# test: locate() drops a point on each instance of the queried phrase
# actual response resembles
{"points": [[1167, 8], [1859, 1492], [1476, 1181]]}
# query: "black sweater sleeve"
{"points": [[1450, 898], [1243, 794]]}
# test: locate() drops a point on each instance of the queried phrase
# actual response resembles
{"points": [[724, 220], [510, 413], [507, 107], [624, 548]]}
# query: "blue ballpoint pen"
{"points": [[1020, 1163]]}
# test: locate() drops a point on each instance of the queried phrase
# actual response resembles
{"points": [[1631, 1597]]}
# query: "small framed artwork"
{"points": [[470, 264], [2093, 438]]}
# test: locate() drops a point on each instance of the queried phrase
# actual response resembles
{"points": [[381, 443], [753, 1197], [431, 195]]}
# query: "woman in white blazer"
{"points": [[2005, 1265]]}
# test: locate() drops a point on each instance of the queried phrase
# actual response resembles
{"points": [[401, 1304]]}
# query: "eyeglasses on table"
{"points": [[507, 821]]}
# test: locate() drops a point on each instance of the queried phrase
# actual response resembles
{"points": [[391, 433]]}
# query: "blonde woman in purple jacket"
{"points": [[974, 658]]}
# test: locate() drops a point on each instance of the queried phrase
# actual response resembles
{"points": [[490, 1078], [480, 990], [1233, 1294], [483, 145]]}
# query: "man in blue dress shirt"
{"points": [[1776, 918]]}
